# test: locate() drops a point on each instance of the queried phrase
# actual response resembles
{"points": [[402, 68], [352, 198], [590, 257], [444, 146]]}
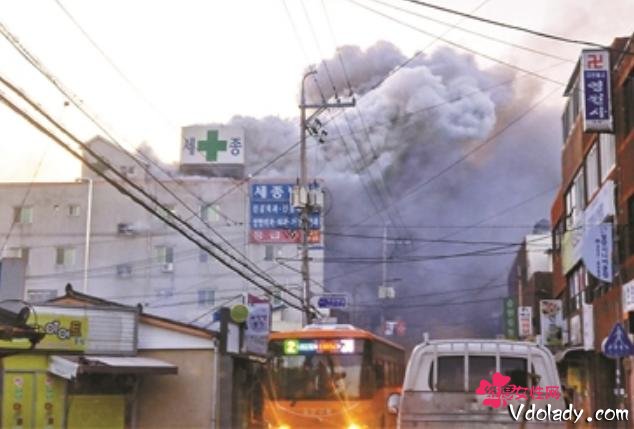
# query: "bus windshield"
{"points": [[317, 376]]}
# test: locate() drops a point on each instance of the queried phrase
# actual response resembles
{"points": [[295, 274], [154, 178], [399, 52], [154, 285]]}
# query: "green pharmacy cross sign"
{"points": [[212, 145]]}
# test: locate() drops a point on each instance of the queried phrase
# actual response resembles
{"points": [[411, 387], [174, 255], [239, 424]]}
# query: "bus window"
{"points": [[317, 377], [480, 368]]}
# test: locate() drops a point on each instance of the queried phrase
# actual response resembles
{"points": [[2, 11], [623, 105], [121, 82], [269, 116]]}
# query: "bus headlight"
{"points": [[355, 426]]}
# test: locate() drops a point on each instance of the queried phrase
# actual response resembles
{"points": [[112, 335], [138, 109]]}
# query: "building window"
{"points": [[571, 111], [210, 213], [206, 297], [203, 256], [277, 298], [165, 257], [592, 171], [628, 101], [40, 295], [164, 293], [124, 270], [64, 256], [607, 150], [630, 224], [558, 233], [576, 282], [23, 214], [575, 199], [74, 210]]}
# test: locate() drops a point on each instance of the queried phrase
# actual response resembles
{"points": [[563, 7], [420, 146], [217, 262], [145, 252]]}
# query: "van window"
{"points": [[450, 374], [516, 369], [480, 368]]}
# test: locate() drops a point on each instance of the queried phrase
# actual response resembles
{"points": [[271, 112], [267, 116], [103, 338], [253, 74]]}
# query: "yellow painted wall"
{"points": [[96, 411]]}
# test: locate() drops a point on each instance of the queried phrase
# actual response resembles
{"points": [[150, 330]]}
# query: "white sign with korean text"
{"points": [[628, 296], [525, 321], [205, 144]]}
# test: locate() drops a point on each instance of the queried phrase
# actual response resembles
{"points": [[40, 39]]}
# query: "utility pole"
{"points": [[302, 197]]}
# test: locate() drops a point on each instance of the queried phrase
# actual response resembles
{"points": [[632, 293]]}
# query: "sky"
{"points": [[186, 62]]}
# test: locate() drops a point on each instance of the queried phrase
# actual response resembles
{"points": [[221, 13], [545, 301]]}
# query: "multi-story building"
{"points": [[88, 234], [530, 277], [597, 187]]}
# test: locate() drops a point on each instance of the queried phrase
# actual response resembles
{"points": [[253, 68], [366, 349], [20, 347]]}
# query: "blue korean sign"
{"points": [[273, 219], [618, 344], [596, 96], [332, 301]]}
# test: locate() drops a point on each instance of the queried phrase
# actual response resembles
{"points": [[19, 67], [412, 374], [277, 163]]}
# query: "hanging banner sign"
{"points": [[551, 321], [525, 321], [258, 326], [596, 90], [597, 251]]}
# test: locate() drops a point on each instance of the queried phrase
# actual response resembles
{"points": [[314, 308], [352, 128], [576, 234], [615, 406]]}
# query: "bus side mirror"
{"points": [[393, 402]]}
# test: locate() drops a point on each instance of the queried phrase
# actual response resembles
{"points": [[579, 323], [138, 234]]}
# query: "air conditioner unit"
{"points": [[125, 229], [168, 267]]}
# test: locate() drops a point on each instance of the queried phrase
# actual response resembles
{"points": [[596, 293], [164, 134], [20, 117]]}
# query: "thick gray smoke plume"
{"points": [[378, 157]]}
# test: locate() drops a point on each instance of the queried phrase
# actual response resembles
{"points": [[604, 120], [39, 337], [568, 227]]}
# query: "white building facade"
{"points": [[88, 234]]}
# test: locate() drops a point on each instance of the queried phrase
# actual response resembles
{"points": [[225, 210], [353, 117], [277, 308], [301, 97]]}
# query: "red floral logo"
{"points": [[493, 390], [498, 392]]}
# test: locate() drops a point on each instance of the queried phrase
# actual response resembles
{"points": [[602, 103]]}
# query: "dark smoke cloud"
{"points": [[403, 132]]}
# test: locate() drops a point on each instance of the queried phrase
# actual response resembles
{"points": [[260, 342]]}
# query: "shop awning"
{"points": [[70, 367]]}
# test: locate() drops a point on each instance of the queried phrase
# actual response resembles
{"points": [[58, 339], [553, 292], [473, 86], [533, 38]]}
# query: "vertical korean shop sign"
{"points": [[596, 90], [509, 317], [274, 220]]}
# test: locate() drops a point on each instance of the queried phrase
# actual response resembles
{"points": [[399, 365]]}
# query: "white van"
{"points": [[439, 390]]}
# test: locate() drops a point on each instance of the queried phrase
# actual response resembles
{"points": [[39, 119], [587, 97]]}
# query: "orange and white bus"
{"points": [[331, 376]]}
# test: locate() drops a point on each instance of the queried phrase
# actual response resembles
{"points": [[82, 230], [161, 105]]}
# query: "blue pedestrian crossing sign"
{"points": [[617, 344]]}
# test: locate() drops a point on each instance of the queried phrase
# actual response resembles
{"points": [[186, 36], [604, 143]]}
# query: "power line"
{"points": [[429, 240], [446, 292], [514, 27], [475, 149], [457, 45], [126, 192], [476, 33], [436, 305], [112, 63], [34, 62], [383, 191]]}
